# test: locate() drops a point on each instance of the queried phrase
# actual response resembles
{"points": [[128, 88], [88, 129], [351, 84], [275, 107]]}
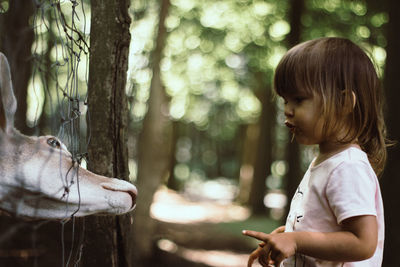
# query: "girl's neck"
{"points": [[327, 150]]}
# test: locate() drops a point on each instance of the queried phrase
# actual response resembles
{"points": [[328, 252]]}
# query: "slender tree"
{"points": [[293, 175], [172, 182], [390, 181], [250, 136], [154, 147], [107, 239], [264, 149]]}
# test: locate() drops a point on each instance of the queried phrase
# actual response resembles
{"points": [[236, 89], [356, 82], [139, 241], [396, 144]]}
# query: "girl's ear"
{"points": [[8, 103]]}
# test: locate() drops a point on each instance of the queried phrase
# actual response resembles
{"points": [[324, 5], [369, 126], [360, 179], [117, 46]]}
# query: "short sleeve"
{"points": [[351, 190]]}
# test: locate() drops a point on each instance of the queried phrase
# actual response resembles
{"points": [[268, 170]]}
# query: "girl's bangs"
{"points": [[292, 75], [284, 81]]}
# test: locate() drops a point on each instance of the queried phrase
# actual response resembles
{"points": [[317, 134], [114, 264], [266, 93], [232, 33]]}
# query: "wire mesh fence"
{"points": [[57, 105]]}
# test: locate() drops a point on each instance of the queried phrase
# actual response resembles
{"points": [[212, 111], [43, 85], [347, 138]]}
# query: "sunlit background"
{"points": [[216, 69]]}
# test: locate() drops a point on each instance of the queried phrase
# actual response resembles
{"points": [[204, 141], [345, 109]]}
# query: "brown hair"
{"points": [[333, 68]]}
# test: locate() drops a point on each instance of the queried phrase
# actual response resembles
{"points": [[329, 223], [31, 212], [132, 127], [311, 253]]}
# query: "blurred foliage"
{"points": [[351, 19], [213, 52]]}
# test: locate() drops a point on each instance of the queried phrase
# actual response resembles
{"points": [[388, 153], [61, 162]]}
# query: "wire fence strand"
{"points": [[58, 105]]}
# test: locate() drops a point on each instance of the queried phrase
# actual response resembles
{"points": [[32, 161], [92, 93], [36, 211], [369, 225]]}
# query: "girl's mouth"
{"points": [[290, 126], [292, 129]]}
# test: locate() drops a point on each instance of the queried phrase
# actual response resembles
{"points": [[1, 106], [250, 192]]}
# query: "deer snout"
{"points": [[121, 186]]}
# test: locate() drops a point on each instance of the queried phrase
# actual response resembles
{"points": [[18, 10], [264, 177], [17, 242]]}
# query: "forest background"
{"points": [[189, 84]]}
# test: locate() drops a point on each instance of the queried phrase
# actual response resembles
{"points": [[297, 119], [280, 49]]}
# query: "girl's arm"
{"points": [[356, 242]]}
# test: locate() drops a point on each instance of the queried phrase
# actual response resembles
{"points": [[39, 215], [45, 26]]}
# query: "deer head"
{"points": [[39, 179]]}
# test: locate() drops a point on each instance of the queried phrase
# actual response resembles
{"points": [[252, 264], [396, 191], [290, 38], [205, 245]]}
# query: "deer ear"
{"points": [[8, 103]]}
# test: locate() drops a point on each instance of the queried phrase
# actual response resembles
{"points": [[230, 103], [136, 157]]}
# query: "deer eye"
{"points": [[53, 142]]}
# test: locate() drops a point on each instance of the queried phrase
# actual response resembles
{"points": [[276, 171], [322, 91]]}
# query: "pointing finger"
{"points": [[258, 235]]}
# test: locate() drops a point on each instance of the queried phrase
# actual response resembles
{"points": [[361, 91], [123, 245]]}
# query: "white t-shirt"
{"points": [[340, 187]]}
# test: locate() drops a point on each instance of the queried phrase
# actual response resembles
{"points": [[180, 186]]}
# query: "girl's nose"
{"points": [[289, 112]]}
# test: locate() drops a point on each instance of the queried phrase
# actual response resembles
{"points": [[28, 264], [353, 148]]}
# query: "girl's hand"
{"points": [[280, 229], [276, 246], [262, 256]]}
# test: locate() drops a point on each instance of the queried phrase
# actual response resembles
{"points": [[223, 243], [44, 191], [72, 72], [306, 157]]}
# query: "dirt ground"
{"points": [[195, 234]]}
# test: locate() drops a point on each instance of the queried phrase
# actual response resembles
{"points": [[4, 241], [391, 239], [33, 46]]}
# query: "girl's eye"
{"points": [[53, 142], [298, 100]]}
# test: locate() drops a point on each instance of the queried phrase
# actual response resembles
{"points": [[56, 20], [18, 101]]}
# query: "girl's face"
{"points": [[304, 118]]}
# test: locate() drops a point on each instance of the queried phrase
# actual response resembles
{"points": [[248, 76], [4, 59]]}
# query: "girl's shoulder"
{"points": [[350, 158]]}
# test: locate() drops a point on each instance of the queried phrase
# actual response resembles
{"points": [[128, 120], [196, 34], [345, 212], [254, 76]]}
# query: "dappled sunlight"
{"points": [[216, 258], [200, 230], [219, 190], [169, 206], [279, 29]]}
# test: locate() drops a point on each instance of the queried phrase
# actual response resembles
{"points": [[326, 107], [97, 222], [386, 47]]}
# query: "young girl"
{"points": [[333, 99]]}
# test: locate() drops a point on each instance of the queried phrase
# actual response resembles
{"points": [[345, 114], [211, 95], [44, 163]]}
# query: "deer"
{"points": [[39, 178]]}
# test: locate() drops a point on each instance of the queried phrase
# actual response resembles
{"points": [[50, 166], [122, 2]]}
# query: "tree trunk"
{"points": [[16, 38], [154, 149], [264, 149], [172, 182], [107, 239], [390, 180], [294, 175], [250, 136]]}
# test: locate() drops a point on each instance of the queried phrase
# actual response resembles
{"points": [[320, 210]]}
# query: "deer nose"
{"points": [[133, 192], [122, 186]]}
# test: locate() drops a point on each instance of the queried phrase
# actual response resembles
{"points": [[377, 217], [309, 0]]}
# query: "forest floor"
{"points": [[192, 229], [203, 232]]}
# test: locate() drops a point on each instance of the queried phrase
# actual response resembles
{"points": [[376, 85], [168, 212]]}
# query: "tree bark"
{"points": [[154, 149], [390, 179], [107, 239]]}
